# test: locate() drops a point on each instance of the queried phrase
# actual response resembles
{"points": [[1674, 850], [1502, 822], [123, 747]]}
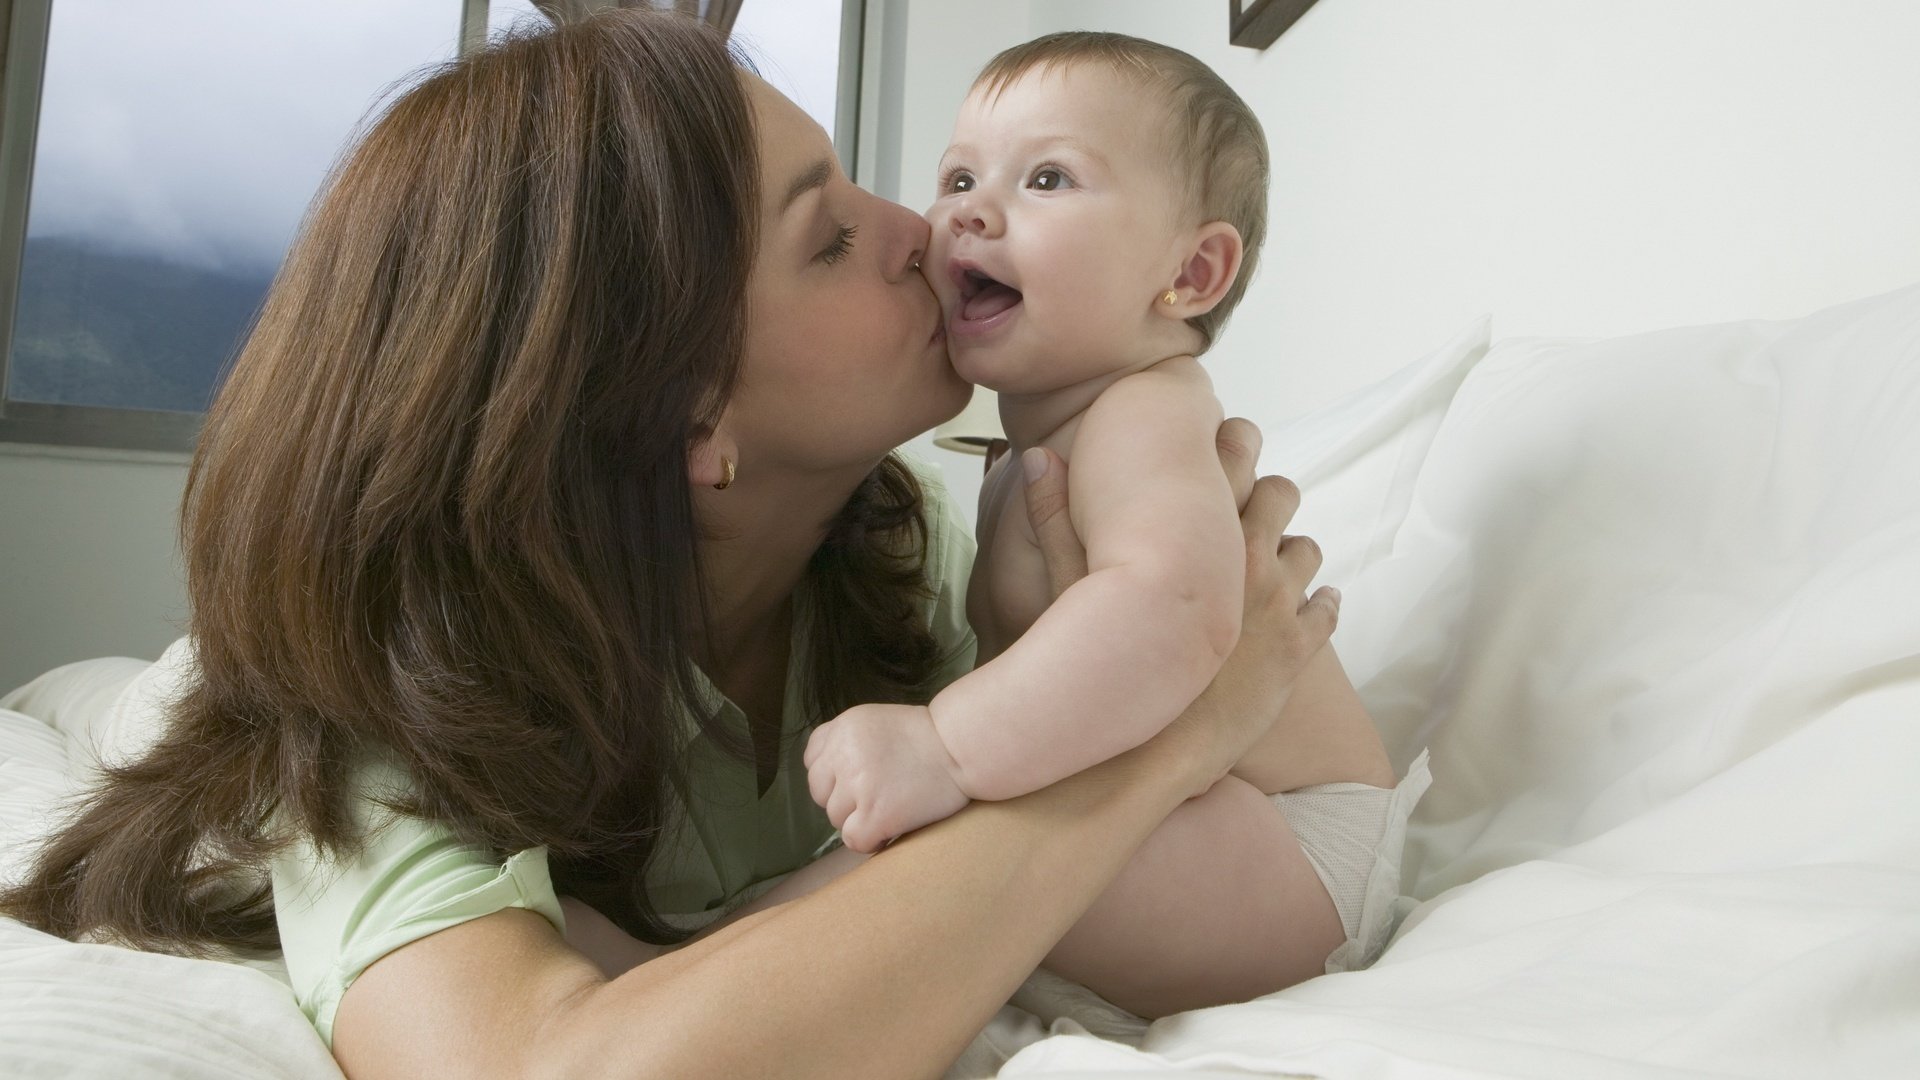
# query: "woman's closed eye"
{"points": [[838, 247]]}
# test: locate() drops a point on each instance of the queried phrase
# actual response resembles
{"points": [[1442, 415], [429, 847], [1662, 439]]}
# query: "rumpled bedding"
{"points": [[1652, 603]]}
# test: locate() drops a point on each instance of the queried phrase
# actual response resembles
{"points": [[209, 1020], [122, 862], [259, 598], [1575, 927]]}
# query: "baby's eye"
{"points": [[956, 181], [1049, 179]]}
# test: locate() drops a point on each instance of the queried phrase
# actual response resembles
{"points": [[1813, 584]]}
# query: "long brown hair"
{"points": [[440, 508]]}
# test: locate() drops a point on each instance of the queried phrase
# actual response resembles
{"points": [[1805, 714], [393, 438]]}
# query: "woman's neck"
{"points": [[757, 538]]}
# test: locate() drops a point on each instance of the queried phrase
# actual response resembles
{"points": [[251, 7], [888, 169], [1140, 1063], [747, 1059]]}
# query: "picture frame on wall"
{"points": [[1259, 23]]}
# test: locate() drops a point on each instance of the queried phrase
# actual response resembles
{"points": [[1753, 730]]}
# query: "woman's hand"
{"points": [[1279, 633]]}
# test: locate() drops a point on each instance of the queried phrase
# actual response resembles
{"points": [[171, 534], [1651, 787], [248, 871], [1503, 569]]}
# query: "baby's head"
{"points": [[1091, 178]]}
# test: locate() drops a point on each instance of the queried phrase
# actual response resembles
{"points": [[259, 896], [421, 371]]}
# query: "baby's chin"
{"points": [[1008, 366], [998, 366]]}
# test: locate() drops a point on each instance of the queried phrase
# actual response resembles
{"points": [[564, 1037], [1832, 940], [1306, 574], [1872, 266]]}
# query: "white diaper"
{"points": [[1354, 835]]}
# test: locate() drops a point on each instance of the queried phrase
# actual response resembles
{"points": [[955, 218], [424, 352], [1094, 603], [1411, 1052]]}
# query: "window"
{"points": [[810, 51], [155, 160]]}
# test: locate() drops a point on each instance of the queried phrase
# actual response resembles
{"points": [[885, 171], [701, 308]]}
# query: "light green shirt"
{"points": [[732, 844]]}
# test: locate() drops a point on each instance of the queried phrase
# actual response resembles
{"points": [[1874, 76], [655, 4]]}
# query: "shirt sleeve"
{"points": [[412, 879]]}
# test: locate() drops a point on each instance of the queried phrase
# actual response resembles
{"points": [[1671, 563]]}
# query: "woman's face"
{"points": [[846, 355]]}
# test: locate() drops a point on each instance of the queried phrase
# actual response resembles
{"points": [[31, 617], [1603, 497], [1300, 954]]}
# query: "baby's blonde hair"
{"points": [[1218, 150]]}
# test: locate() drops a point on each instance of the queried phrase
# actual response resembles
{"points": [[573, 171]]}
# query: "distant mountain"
{"points": [[93, 327]]}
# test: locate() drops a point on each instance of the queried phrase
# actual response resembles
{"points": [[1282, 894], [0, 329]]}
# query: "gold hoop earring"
{"points": [[1169, 297], [726, 479]]}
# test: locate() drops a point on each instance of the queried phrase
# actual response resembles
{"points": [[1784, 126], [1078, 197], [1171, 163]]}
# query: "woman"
{"points": [[548, 505]]}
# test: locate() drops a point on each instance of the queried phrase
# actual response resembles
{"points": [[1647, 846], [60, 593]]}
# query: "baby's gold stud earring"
{"points": [[1169, 297]]}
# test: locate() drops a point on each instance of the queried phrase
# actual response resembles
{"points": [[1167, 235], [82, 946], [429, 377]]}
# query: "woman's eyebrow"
{"points": [[816, 176]]}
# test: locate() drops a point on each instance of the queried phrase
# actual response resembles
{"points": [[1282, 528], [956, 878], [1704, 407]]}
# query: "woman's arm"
{"points": [[884, 973]]}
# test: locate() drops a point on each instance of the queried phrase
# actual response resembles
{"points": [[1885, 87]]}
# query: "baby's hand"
{"points": [[881, 771]]}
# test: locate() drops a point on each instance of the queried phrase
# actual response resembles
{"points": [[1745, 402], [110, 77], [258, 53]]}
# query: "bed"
{"points": [[1652, 603]]}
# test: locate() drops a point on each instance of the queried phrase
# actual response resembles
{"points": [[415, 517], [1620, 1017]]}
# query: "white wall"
{"points": [[1576, 167], [88, 560], [922, 56], [1593, 167]]}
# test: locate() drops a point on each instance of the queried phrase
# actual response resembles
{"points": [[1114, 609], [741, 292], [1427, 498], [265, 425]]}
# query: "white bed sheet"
{"points": [[1655, 607], [80, 1010], [1654, 603]]}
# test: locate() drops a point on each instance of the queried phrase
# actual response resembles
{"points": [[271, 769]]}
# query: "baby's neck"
{"points": [[1049, 418]]}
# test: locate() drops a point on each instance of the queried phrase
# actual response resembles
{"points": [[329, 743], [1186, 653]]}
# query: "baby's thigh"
{"points": [[1220, 904], [1324, 735]]}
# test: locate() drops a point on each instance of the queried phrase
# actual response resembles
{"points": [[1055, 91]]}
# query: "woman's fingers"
{"points": [[1046, 477], [1299, 560], [1269, 508], [1238, 444], [1320, 614]]}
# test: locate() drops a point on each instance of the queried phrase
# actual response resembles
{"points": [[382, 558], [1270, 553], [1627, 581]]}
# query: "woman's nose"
{"points": [[911, 246]]}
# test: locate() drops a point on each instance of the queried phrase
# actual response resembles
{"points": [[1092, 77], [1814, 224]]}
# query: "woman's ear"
{"points": [[713, 459], [1209, 271]]}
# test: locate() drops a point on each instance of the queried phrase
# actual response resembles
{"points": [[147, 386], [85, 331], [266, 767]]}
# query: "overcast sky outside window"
{"points": [[179, 144], [199, 131]]}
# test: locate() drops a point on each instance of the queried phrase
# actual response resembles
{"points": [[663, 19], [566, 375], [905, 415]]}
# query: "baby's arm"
{"points": [[1127, 647]]}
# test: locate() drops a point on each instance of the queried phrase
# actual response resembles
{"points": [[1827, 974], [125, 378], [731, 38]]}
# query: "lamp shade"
{"points": [[977, 425]]}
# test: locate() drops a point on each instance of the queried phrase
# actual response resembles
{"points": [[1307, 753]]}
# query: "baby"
{"points": [[1099, 213]]}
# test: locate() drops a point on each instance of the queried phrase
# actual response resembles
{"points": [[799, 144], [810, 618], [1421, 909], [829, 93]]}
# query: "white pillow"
{"points": [[33, 779], [110, 709], [77, 699], [1357, 459], [1627, 565], [70, 1009], [104, 1011]]}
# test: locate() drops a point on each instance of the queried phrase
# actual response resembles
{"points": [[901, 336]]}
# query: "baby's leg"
{"points": [[1219, 905], [1324, 736]]}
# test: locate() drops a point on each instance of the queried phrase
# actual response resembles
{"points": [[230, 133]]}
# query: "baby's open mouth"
{"points": [[981, 297]]}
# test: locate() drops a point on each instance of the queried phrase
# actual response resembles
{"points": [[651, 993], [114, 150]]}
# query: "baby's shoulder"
{"points": [[1175, 387]]}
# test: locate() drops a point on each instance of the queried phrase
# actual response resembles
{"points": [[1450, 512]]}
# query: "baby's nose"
{"points": [[972, 216]]}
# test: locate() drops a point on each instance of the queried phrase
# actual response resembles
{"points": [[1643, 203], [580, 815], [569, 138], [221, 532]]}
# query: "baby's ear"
{"points": [[1211, 266]]}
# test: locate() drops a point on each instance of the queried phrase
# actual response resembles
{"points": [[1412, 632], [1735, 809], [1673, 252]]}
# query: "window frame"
{"points": [[24, 27]]}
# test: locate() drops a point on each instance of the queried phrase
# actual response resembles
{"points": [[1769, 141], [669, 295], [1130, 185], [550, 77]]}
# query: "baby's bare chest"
{"points": [[1009, 587]]}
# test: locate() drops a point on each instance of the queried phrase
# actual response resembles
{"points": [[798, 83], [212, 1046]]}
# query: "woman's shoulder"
{"points": [[411, 878]]}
